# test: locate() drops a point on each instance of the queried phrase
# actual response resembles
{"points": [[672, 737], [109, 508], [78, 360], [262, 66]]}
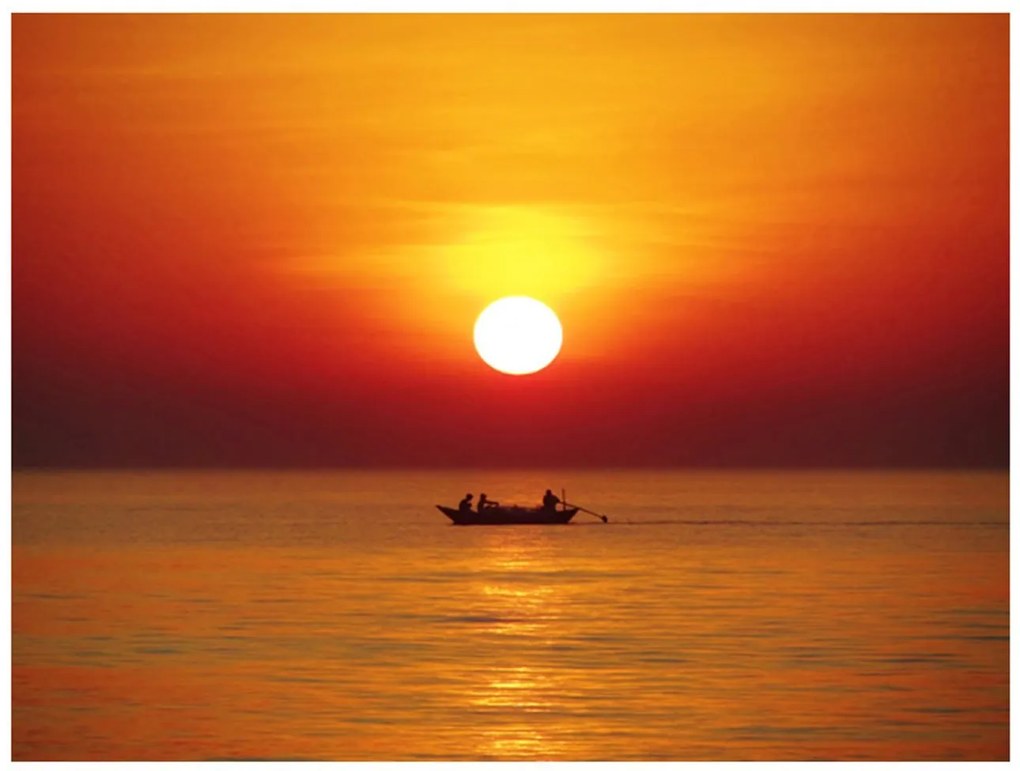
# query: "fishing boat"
{"points": [[510, 515]]}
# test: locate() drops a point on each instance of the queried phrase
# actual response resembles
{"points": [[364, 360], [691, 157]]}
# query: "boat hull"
{"points": [[509, 515]]}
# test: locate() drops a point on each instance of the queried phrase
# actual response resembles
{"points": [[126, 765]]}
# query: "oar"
{"points": [[603, 517]]}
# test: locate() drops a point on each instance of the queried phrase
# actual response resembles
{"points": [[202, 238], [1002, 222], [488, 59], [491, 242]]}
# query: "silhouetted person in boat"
{"points": [[484, 503], [549, 501], [465, 505]]}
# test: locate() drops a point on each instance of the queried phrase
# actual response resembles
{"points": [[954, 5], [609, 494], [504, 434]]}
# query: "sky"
{"points": [[263, 240]]}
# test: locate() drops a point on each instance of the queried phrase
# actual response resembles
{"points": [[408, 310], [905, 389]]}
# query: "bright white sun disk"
{"points": [[518, 335]]}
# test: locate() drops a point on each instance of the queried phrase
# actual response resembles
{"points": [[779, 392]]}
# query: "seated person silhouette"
{"points": [[549, 501], [484, 503], [465, 505]]}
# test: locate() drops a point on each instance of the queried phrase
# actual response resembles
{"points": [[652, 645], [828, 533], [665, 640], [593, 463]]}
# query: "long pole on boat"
{"points": [[603, 517]]}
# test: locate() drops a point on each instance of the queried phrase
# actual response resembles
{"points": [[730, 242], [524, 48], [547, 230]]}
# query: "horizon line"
{"points": [[512, 467]]}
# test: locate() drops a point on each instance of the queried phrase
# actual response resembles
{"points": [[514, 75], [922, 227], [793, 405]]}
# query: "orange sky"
{"points": [[771, 239]]}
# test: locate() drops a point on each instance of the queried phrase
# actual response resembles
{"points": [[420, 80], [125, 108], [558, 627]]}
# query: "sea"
{"points": [[339, 616]]}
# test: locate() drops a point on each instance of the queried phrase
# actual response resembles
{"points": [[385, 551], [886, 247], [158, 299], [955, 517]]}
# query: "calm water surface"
{"points": [[339, 616]]}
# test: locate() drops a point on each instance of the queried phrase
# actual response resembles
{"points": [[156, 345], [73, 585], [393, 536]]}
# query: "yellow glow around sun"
{"points": [[518, 335], [524, 250]]}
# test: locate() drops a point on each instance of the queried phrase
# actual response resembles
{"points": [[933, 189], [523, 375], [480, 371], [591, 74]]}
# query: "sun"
{"points": [[518, 335]]}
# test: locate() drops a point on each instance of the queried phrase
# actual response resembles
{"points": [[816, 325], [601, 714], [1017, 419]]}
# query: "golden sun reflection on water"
{"points": [[515, 741], [518, 692], [521, 611], [520, 687], [529, 694]]}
